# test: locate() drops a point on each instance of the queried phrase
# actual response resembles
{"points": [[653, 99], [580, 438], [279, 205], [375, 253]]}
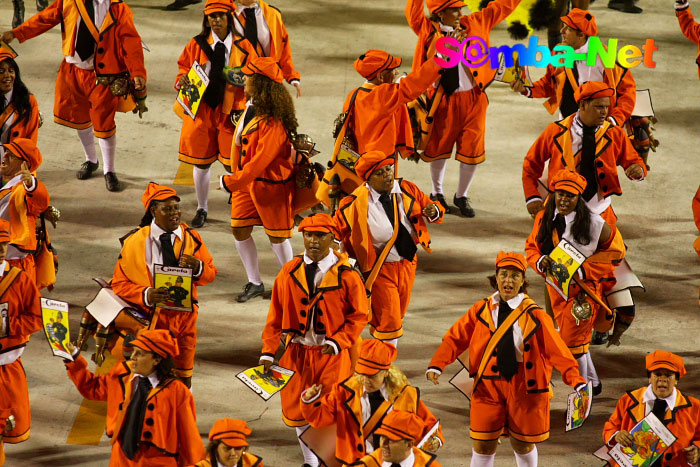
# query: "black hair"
{"points": [[580, 230], [211, 451], [20, 93], [206, 29], [164, 368], [678, 375], [148, 216], [494, 282]]}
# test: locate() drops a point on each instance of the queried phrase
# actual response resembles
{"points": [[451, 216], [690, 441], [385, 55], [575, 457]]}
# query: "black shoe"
{"points": [[597, 390], [250, 291], [199, 218], [464, 206], [181, 4], [625, 6], [86, 170], [599, 338], [18, 17], [112, 182], [440, 198], [41, 5]]}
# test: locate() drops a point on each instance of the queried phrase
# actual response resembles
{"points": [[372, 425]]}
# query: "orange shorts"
{"points": [[26, 264], [500, 407], [183, 325], [14, 395], [266, 204], [203, 139], [146, 456], [391, 294], [460, 119], [81, 103], [312, 367]]}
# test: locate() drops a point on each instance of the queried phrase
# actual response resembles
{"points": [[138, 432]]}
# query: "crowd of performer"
{"points": [[360, 256]]}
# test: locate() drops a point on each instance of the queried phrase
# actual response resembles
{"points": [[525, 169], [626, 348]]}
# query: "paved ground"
{"points": [[655, 218]]}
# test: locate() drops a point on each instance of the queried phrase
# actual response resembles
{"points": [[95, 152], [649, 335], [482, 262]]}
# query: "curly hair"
{"points": [[394, 381], [580, 229], [272, 100], [20, 93]]}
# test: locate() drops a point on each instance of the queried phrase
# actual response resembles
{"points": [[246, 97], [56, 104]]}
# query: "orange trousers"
{"points": [[312, 367], [14, 395], [183, 325], [391, 294], [266, 204], [206, 138], [147, 456]]}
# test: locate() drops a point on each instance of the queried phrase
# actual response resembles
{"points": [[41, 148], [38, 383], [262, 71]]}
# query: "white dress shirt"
{"points": [[380, 227], [407, 462], [513, 303], [101, 9], [650, 397], [153, 378], [466, 80], [5, 131], [588, 73], [367, 413], [228, 43], [264, 36], [597, 204], [154, 253]]}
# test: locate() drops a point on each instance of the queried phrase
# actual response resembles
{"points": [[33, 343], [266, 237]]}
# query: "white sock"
{"points": [[108, 146], [249, 257], [283, 251], [591, 375], [526, 460], [201, 186], [88, 141], [309, 457], [466, 176], [394, 342], [482, 460], [437, 174], [583, 366]]}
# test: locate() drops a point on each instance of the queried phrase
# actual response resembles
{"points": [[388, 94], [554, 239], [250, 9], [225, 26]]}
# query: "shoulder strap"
{"points": [[387, 248], [375, 420], [8, 279], [204, 45]]}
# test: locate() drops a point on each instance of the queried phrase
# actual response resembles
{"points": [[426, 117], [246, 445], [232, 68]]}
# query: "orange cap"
{"points": [[435, 6], [593, 90], [231, 432], [6, 53], [221, 6], [666, 360], [569, 181], [155, 192], [371, 161], [582, 20], [25, 149], [158, 341], [266, 66], [511, 259], [373, 62], [398, 425], [375, 355], [4, 231], [319, 222]]}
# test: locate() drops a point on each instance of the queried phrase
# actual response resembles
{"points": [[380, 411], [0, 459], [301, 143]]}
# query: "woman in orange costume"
{"points": [[262, 185], [513, 346], [228, 446], [19, 110], [689, 27], [208, 136], [150, 413]]}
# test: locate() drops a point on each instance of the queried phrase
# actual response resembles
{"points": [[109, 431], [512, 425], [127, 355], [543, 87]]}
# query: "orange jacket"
{"points": [[23, 308], [170, 421], [696, 215], [343, 407], [132, 275], [554, 145], [353, 229], [247, 460], [422, 459], [25, 128], [683, 421], [690, 28], [341, 309], [25, 206], [118, 47], [542, 348]]}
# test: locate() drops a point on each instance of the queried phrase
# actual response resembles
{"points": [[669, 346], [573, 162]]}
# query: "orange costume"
{"points": [[682, 415], [519, 407], [696, 216], [232, 433], [11, 126], [689, 27], [169, 434]]}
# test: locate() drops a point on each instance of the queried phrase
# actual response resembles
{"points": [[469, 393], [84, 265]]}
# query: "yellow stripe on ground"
{"points": [[184, 175], [89, 424]]}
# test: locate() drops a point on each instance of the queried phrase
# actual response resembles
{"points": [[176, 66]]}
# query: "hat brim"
{"points": [[511, 263], [664, 366], [449, 4], [149, 346], [392, 433], [234, 442], [569, 186]]}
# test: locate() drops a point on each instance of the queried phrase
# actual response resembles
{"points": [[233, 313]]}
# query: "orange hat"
{"points": [[155, 192], [371, 161], [158, 341], [6, 53], [667, 360], [511, 259], [438, 5], [25, 149], [373, 62], [569, 181], [593, 90], [231, 432], [398, 425], [582, 20], [266, 66], [221, 6], [319, 222], [4, 231], [375, 355]]}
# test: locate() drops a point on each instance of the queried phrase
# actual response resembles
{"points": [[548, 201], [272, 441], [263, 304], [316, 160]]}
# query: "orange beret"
{"points": [[398, 425], [319, 222], [6, 53], [666, 360], [155, 192], [569, 181], [375, 355], [266, 66], [582, 20], [511, 259], [221, 6], [25, 149], [231, 432], [158, 341], [593, 90], [435, 6], [371, 161], [373, 62], [4, 231]]}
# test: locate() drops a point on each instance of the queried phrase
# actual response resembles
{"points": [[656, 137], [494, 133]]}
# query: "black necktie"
{"points": [[249, 114], [85, 44], [450, 80], [587, 166], [659, 410], [251, 27], [405, 245], [375, 400], [3, 103], [395, 465], [568, 105], [311, 269], [560, 225], [214, 95], [166, 248], [133, 421], [507, 363]]}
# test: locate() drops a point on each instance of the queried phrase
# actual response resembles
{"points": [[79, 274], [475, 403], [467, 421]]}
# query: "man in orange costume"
{"points": [[99, 42], [150, 414], [680, 413], [319, 301], [512, 347], [20, 317], [689, 27], [385, 249], [399, 433], [460, 118], [162, 239]]}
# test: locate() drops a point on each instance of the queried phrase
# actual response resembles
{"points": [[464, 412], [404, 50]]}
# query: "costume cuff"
{"points": [[31, 187], [308, 401], [200, 270], [611, 441], [527, 92], [436, 216], [266, 358], [539, 268], [533, 199], [334, 344], [433, 369], [295, 81], [145, 297], [682, 4], [613, 120]]}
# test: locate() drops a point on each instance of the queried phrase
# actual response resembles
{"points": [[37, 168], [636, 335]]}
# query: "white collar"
{"points": [[446, 28], [407, 462], [12, 182], [2, 268], [156, 231], [583, 48], [374, 194], [228, 40], [325, 264], [569, 218], [650, 397], [513, 303], [153, 378], [8, 96], [382, 390], [577, 125]]}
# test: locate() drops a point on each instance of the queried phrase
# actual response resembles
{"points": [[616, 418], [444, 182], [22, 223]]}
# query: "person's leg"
{"points": [[41, 5], [103, 107], [87, 139], [282, 248], [274, 203], [471, 145], [484, 453], [18, 17], [437, 175], [201, 175], [309, 456], [385, 320], [466, 176], [243, 217], [525, 453]]}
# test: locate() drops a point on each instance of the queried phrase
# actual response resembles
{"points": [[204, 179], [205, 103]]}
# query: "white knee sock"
{"points": [[526, 460], [583, 366], [88, 141], [309, 457], [482, 460], [108, 147], [283, 251], [437, 173], [249, 257], [591, 375], [466, 176], [394, 342], [201, 186]]}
